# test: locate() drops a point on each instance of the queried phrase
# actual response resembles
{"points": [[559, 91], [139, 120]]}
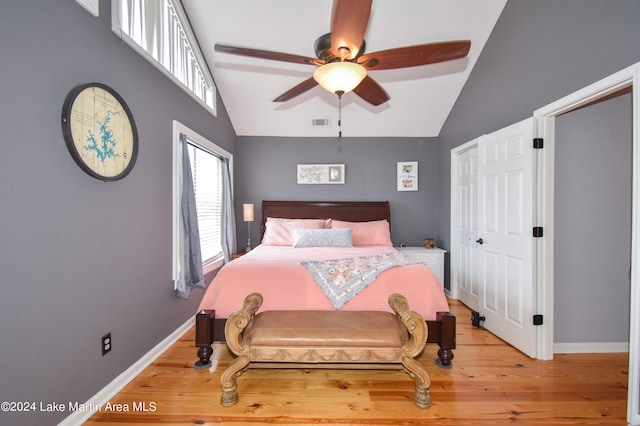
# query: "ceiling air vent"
{"points": [[320, 122]]}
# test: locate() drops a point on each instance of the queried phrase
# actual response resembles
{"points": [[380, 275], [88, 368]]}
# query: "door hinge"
{"points": [[538, 143], [537, 231], [537, 319]]}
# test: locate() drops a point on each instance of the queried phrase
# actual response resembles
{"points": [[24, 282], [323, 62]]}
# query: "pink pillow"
{"points": [[280, 232], [375, 233]]}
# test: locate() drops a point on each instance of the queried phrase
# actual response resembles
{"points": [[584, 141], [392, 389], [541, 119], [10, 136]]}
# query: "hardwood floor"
{"points": [[490, 384]]}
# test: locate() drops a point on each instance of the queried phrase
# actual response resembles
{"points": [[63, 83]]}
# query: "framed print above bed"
{"points": [[320, 173]]}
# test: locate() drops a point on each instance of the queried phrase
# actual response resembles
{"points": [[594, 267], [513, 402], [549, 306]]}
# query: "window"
{"points": [[207, 167], [206, 170], [159, 31]]}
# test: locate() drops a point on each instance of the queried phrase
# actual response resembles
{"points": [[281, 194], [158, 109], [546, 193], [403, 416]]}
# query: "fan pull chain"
{"points": [[339, 93]]}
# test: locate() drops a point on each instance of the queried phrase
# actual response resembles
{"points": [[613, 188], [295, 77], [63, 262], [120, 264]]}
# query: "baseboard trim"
{"points": [[594, 348], [117, 384]]}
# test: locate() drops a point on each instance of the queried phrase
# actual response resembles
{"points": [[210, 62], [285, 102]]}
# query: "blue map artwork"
{"points": [[105, 147]]}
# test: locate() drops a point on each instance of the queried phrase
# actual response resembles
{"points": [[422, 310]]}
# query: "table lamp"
{"points": [[247, 210]]}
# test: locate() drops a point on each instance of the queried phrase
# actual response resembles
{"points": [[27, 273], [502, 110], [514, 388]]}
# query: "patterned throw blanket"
{"points": [[342, 279]]}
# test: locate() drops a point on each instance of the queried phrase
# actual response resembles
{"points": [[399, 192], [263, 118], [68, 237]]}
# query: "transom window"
{"points": [[159, 31]]}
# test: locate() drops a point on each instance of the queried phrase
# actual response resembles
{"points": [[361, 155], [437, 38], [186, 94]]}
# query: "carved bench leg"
{"points": [[414, 369], [229, 380]]}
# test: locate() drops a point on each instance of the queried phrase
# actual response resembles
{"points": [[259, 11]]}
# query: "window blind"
{"points": [[206, 169]]}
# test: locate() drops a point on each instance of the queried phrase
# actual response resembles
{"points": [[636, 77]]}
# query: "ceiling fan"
{"points": [[341, 59]]}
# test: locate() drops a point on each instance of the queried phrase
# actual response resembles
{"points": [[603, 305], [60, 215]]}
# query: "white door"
{"points": [[505, 235], [467, 227]]}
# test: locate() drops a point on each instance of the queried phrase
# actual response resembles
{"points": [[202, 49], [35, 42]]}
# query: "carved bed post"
{"points": [[418, 333], [204, 338], [447, 339], [234, 328]]}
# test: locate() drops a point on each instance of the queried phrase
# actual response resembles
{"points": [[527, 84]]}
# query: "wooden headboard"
{"points": [[350, 211]]}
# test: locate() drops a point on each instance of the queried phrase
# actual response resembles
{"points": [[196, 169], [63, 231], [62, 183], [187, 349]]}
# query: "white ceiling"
{"points": [[421, 97]]}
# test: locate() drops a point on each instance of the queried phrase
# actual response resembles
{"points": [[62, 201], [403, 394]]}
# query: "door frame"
{"points": [[626, 78]]}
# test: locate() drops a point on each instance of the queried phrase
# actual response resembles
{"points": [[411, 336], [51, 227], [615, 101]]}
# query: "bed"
{"points": [[290, 277]]}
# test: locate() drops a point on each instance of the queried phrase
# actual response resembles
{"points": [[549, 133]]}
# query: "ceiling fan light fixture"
{"points": [[340, 76]]}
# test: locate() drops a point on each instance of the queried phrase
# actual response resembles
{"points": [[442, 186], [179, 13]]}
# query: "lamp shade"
{"points": [[247, 210], [339, 76]]}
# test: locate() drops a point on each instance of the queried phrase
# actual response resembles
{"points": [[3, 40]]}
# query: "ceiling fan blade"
{"points": [[412, 56], [266, 54], [349, 20], [308, 84], [371, 91]]}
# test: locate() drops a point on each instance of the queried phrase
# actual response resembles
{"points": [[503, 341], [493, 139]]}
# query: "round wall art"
{"points": [[99, 131]]}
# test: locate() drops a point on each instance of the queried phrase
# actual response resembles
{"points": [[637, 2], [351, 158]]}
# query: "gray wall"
{"points": [[592, 224], [266, 169], [538, 52], [80, 257]]}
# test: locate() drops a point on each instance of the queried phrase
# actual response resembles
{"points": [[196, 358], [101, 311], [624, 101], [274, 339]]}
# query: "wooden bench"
{"points": [[326, 339]]}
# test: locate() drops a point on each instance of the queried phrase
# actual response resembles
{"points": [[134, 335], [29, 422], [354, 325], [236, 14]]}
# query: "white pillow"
{"points": [[322, 238], [279, 232]]}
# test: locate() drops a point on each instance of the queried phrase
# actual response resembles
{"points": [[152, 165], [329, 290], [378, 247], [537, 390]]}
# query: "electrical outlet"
{"points": [[106, 344]]}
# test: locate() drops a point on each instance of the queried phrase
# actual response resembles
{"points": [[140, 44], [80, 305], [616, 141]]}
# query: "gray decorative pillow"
{"points": [[322, 238]]}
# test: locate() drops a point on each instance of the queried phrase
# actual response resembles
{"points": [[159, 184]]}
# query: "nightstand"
{"points": [[433, 258], [238, 254]]}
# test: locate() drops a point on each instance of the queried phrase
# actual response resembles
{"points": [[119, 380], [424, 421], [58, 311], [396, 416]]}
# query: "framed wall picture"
{"points": [[99, 131], [407, 176], [320, 174]]}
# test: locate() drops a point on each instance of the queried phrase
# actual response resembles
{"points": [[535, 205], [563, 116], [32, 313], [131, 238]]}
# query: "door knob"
{"points": [[480, 241]]}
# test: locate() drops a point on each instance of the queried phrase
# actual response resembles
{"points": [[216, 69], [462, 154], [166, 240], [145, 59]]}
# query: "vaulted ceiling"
{"points": [[420, 97]]}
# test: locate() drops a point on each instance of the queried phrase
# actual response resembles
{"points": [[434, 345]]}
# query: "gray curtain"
{"points": [[228, 214], [190, 269]]}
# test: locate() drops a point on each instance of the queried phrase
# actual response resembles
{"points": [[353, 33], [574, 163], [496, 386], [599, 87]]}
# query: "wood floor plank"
{"points": [[490, 384]]}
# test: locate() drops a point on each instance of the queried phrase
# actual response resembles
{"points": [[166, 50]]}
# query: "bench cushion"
{"points": [[326, 329]]}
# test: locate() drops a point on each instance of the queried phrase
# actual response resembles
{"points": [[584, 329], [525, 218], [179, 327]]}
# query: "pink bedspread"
{"points": [[276, 273]]}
